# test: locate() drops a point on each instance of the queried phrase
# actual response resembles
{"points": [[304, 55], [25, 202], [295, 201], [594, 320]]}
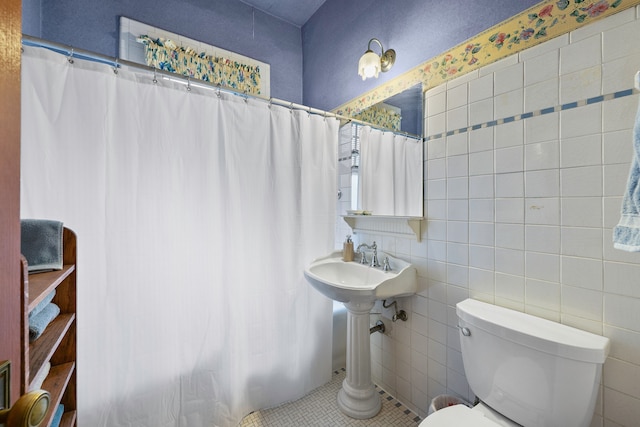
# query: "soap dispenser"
{"points": [[347, 250]]}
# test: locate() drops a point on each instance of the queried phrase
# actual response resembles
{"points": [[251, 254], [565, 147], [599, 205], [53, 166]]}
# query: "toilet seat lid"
{"points": [[456, 416]]}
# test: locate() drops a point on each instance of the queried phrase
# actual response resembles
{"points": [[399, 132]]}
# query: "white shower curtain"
{"points": [[195, 215], [390, 173]]}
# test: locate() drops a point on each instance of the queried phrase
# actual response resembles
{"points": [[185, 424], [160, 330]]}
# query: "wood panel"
{"points": [[11, 301]]}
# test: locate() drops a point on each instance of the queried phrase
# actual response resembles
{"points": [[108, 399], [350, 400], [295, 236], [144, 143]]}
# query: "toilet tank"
{"points": [[531, 370]]}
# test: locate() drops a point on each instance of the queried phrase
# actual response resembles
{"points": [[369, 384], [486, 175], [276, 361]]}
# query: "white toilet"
{"points": [[524, 370]]}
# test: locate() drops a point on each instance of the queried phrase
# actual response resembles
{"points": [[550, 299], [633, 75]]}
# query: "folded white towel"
{"points": [[36, 384]]}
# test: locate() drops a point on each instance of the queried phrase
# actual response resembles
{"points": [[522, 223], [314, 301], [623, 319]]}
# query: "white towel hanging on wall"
{"points": [[626, 235]]}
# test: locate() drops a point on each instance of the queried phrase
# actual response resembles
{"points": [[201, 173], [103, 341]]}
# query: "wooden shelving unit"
{"points": [[57, 344]]}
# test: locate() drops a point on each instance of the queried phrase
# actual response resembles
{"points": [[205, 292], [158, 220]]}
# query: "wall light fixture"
{"points": [[371, 63]]}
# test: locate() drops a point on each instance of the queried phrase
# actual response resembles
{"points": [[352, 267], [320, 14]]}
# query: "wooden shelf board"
{"points": [[41, 350], [68, 419], [40, 284], [55, 384], [57, 380]]}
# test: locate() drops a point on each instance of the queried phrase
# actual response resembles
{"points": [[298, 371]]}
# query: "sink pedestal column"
{"points": [[358, 397]]}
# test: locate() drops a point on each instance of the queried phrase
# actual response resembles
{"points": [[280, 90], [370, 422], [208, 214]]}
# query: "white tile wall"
{"points": [[481, 88], [520, 214], [580, 84], [542, 94]]}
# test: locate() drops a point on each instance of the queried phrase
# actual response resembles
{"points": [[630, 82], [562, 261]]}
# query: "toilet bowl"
{"points": [[461, 415], [525, 371]]}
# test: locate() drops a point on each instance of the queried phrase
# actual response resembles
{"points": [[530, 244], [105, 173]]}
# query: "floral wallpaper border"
{"points": [[378, 115], [540, 23], [164, 54]]}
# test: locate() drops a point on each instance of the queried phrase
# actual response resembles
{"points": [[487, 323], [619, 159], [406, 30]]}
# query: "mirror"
{"points": [[408, 107], [378, 188]]}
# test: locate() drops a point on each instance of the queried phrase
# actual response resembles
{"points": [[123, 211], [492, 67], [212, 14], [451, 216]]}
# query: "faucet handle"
{"points": [[385, 264], [363, 257]]}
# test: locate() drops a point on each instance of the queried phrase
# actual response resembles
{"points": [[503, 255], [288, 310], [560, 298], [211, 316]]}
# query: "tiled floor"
{"points": [[319, 408]]}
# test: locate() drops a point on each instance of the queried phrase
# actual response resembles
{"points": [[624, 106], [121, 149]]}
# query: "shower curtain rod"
{"points": [[73, 53]]}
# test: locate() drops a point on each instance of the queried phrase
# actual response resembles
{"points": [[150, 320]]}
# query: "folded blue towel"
{"points": [[41, 244], [42, 304], [626, 235], [55, 422], [39, 323]]}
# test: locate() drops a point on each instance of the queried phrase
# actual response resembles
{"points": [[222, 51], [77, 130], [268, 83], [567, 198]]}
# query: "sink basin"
{"points": [[351, 281]]}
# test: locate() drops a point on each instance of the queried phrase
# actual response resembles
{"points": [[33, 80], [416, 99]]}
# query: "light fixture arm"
{"points": [[387, 58], [379, 43]]}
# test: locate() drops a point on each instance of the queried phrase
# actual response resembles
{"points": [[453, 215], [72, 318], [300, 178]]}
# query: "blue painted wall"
{"points": [[93, 25], [315, 65], [337, 35], [31, 18]]}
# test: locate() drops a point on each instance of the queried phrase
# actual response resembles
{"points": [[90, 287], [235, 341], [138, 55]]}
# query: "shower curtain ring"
{"points": [[155, 76], [188, 84], [218, 94], [291, 108], [115, 66], [270, 103], [309, 112], [70, 57]]}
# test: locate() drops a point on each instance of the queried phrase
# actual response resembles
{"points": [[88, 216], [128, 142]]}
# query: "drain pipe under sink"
{"points": [[379, 327]]}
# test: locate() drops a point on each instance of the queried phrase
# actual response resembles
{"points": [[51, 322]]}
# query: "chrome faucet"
{"points": [[374, 257]]}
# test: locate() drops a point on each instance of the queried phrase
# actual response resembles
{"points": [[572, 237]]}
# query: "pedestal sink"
{"points": [[358, 286]]}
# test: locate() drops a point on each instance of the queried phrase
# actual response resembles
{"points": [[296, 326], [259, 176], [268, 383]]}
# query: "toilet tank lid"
{"points": [[535, 332]]}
